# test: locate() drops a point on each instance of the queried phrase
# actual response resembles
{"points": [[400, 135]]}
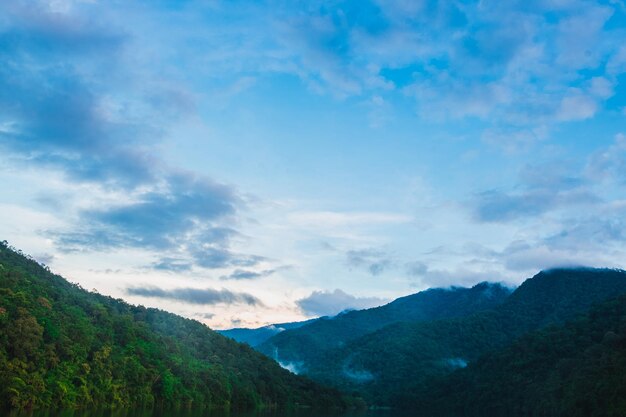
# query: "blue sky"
{"points": [[247, 162]]}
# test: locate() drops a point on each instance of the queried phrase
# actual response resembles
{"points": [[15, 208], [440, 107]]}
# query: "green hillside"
{"points": [[575, 370], [306, 345], [390, 365], [64, 347]]}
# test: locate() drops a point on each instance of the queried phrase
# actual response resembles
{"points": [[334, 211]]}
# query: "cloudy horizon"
{"points": [[246, 163]]}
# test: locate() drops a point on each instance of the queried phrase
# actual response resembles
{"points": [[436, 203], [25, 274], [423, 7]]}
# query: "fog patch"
{"points": [[294, 367], [356, 375], [456, 363], [275, 328]]}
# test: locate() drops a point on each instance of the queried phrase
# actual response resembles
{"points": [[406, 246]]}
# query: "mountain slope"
{"points": [[255, 337], [61, 346], [304, 345], [395, 362], [575, 370]]}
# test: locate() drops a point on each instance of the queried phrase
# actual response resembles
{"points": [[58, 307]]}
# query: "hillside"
{"points": [[304, 345], [255, 337], [390, 365], [575, 370], [64, 347]]}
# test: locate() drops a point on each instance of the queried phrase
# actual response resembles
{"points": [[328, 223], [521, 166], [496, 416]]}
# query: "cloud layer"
{"points": [[330, 303], [425, 143], [374, 261], [71, 102]]}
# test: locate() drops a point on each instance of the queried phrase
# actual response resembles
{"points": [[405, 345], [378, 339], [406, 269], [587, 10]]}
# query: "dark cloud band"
{"points": [[207, 296]]}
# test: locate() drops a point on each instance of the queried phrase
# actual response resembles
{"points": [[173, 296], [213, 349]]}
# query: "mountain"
{"points": [[302, 347], [390, 365], [64, 347], [255, 337], [574, 370]]}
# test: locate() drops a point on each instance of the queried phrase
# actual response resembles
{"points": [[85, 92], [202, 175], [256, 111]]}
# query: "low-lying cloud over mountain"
{"points": [[330, 303]]}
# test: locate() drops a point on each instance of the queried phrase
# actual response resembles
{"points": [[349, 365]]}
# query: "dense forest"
{"points": [[307, 344], [574, 370], [556, 346], [64, 347], [390, 366]]}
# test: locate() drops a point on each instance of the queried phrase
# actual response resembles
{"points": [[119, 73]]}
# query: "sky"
{"points": [[250, 162]]}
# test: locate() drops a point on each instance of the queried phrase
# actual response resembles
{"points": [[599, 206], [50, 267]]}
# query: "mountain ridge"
{"points": [[403, 356], [258, 335], [306, 343]]}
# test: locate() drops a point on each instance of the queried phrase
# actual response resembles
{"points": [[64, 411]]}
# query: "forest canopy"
{"points": [[64, 347]]}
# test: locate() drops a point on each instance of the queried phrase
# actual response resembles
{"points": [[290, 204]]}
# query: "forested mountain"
{"points": [[304, 346], [389, 366], [255, 337], [575, 370], [61, 346], [540, 350]]}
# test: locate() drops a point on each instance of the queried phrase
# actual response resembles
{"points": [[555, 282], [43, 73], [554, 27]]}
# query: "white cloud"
{"points": [[577, 107], [330, 303]]}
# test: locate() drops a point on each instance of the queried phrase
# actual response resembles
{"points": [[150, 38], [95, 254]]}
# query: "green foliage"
{"points": [[389, 366], [575, 370], [64, 347], [308, 344]]}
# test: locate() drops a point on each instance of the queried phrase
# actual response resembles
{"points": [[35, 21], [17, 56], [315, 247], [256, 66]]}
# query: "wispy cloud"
{"points": [[542, 188], [572, 213], [520, 69], [199, 296], [182, 216], [374, 261], [207, 316], [246, 274], [69, 104], [609, 164]]}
